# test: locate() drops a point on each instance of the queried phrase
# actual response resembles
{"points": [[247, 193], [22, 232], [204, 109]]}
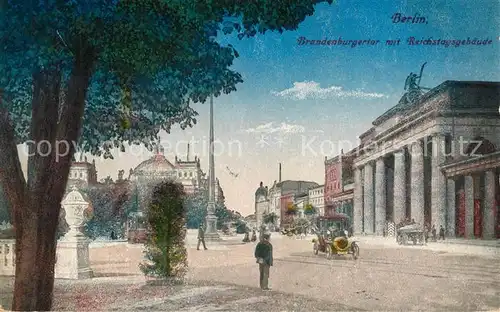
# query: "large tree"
{"points": [[93, 71]]}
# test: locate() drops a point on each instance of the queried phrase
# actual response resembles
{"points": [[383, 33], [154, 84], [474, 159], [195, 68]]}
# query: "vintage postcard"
{"points": [[209, 155]]}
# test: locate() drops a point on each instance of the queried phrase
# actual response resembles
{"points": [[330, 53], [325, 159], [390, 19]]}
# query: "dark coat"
{"points": [[264, 250], [201, 233]]}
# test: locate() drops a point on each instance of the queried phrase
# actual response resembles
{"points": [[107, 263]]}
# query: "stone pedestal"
{"points": [[211, 233], [72, 259], [72, 254], [380, 196]]}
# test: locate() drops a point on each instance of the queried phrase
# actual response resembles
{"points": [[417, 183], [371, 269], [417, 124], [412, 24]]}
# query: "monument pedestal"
{"points": [[72, 259], [211, 234]]}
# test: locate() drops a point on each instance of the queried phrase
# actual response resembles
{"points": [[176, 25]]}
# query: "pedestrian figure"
{"points": [[254, 236], [441, 232], [201, 237], [434, 236], [264, 256], [426, 233], [113, 235], [246, 239]]}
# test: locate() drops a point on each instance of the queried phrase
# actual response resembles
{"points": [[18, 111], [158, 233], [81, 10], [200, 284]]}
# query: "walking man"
{"points": [[441, 232], [264, 256], [201, 237]]}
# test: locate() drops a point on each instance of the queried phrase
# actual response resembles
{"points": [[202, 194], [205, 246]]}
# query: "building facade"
{"points": [[339, 184], [434, 159], [288, 190], [261, 203], [317, 199], [82, 173], [158, 168]]}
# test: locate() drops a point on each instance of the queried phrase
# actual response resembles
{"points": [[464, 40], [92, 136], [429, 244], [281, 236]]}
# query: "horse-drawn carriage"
{"points": [[410, 233], [334, 242]]}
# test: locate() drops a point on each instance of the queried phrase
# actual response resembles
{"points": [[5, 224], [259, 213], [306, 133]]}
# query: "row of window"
{"points": [[317, 192], [76, 175], [185, 175], [317, 201]]}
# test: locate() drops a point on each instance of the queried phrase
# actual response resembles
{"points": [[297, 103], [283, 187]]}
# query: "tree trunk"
{"points": [[36, 204]]}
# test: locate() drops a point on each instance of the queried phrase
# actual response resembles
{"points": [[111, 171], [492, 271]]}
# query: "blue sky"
{"points": [[337, 102]]}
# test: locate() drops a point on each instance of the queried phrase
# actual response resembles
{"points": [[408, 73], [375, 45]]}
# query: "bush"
{"points": [[165, 253]]}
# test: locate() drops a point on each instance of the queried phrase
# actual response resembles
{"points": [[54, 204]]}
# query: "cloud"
{"points": [[271, 128], [312, 90]]}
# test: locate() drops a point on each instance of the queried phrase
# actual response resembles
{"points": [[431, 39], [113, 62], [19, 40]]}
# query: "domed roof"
{"points": [[157, 163], [261, 190]]}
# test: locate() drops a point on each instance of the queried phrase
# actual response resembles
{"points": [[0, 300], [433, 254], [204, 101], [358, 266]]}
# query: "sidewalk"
{"points": [[490, 248]]}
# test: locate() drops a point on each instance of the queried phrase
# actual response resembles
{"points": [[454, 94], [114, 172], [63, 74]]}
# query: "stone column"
{"points": [[358, 203], [469, 206], [211, 233], [380, 196], [368, 200], [399, 186], [438, 182], [417, 183], [489, 213], [451, 208]]}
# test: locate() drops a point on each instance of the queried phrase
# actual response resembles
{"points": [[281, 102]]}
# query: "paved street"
{"points": [[226, 278]]}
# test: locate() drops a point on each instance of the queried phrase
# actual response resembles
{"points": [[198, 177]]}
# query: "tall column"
{"points": [[417, 183], [469, 206], [211, 228], [380, 196], [438, 182], [399, 186], [451, 208], [489, 214], [368, 200], [358, 203]]}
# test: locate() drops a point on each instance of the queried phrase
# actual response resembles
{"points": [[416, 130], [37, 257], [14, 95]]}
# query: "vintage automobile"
{"points": [[290, 231], [410, 233], [340, 245], [334, 243]]}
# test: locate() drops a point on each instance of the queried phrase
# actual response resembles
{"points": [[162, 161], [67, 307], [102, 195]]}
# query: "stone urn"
{"points": [[75, 207]]}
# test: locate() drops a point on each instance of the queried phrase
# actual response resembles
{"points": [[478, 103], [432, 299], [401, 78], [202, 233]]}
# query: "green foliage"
{"points": [[166, 255], [241, 227], [196, 207], [150, 59], [270, 218], [309, 209], [110, 207]]}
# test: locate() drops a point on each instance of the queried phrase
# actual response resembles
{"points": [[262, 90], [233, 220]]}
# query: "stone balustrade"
{"points": [[7, 257]]}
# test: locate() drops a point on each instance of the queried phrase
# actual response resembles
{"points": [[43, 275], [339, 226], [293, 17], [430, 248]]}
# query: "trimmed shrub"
{"points": [[165, 252]]}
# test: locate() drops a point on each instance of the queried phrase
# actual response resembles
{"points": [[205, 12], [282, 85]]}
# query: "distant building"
{"points": [[261, 203], [300, 201], [317, 199], [281, 193], [288, 191], [82, 173], [339, 184], [158, 168]]}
